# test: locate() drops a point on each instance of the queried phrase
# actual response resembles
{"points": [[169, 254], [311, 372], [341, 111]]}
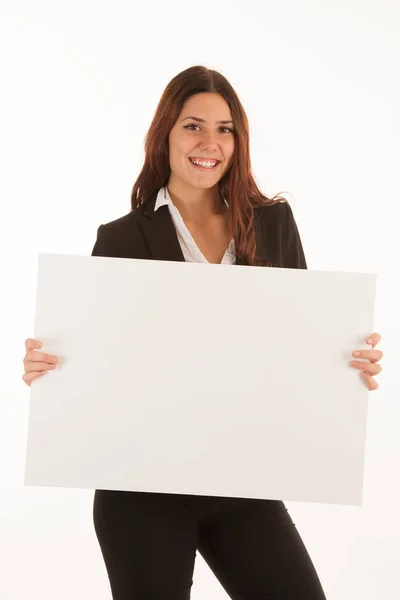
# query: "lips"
{"points": [[191, 158], [199, 158]]}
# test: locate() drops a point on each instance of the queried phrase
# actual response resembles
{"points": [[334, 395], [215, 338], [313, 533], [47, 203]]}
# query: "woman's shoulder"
{"points": [[127, 221], [272, 214], [121, 237], [133, 217]]}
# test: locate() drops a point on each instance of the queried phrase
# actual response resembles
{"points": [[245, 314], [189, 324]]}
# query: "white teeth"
{"points": [[208, 164]]}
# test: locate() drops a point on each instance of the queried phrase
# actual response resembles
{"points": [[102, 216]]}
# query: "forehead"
{"points": [[204, 104]]}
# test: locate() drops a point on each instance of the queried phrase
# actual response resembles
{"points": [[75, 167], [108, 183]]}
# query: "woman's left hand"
{"points": [[371, 368]]}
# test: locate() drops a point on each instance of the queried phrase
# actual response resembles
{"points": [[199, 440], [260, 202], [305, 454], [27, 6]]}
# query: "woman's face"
{"points": [[203, 130]]}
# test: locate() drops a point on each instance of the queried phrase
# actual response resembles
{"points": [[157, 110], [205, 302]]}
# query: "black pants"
{"points": [[149, 542]]}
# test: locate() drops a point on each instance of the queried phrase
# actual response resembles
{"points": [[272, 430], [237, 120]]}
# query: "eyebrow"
{"points": [[203, 121]]}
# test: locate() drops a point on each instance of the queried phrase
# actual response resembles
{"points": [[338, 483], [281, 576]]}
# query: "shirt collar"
{"points": [[164, 198]]}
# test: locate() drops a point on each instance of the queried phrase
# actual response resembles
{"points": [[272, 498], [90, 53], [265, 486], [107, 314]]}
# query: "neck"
{"points": [[196, 204]]}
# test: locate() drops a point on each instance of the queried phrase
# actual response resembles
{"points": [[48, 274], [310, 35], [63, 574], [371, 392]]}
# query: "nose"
{"points": [[208, 141]]}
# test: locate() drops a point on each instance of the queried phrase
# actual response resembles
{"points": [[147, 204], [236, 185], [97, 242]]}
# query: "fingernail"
{"points": [[369, 341], [356, 353]]}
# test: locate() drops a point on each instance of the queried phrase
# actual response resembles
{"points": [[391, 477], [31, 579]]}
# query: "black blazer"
{"points": [[146, 234]]}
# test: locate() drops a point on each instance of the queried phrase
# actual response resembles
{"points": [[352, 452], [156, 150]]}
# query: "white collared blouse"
{"points": [[190, 249]]}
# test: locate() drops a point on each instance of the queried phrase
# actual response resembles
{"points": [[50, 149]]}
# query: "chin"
{"points": [[204, 186]]}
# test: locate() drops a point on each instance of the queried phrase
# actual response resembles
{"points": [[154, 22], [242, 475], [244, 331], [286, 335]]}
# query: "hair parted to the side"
{"points": [[237, 185]]}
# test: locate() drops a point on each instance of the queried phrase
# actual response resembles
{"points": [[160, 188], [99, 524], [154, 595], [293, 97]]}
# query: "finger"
{"points": [[371, 368], [32, 343], [372, 384], [29, 377], [38, 366], [373, 355], [374, 338], [34, 356]]}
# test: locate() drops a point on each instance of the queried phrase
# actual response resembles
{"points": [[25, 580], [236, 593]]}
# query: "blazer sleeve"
{"points": [[294, 257], [105, 244]]}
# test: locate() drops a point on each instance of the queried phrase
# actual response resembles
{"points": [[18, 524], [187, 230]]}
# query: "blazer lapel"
{"points": [[159, 231]]}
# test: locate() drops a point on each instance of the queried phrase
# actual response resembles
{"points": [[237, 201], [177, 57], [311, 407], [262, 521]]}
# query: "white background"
{"points": [[80, 82]]}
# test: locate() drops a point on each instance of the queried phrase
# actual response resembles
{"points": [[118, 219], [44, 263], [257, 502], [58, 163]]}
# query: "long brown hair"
{"points": [[237, 186]]}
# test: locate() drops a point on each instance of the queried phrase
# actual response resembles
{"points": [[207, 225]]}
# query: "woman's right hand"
{"points": [[37, 363]]}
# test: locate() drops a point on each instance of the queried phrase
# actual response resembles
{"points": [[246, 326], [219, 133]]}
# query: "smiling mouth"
{"points": [[207, 164]]}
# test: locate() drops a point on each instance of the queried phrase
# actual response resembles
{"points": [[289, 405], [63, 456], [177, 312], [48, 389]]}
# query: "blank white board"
{"points": [[200, 379]]}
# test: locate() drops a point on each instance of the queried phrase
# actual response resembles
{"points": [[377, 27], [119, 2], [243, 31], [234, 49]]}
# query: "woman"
{"points": [[196, 200]]}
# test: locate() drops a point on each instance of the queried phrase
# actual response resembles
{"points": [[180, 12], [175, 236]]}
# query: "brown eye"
{"points": [[228, 129], [192, 125]]}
